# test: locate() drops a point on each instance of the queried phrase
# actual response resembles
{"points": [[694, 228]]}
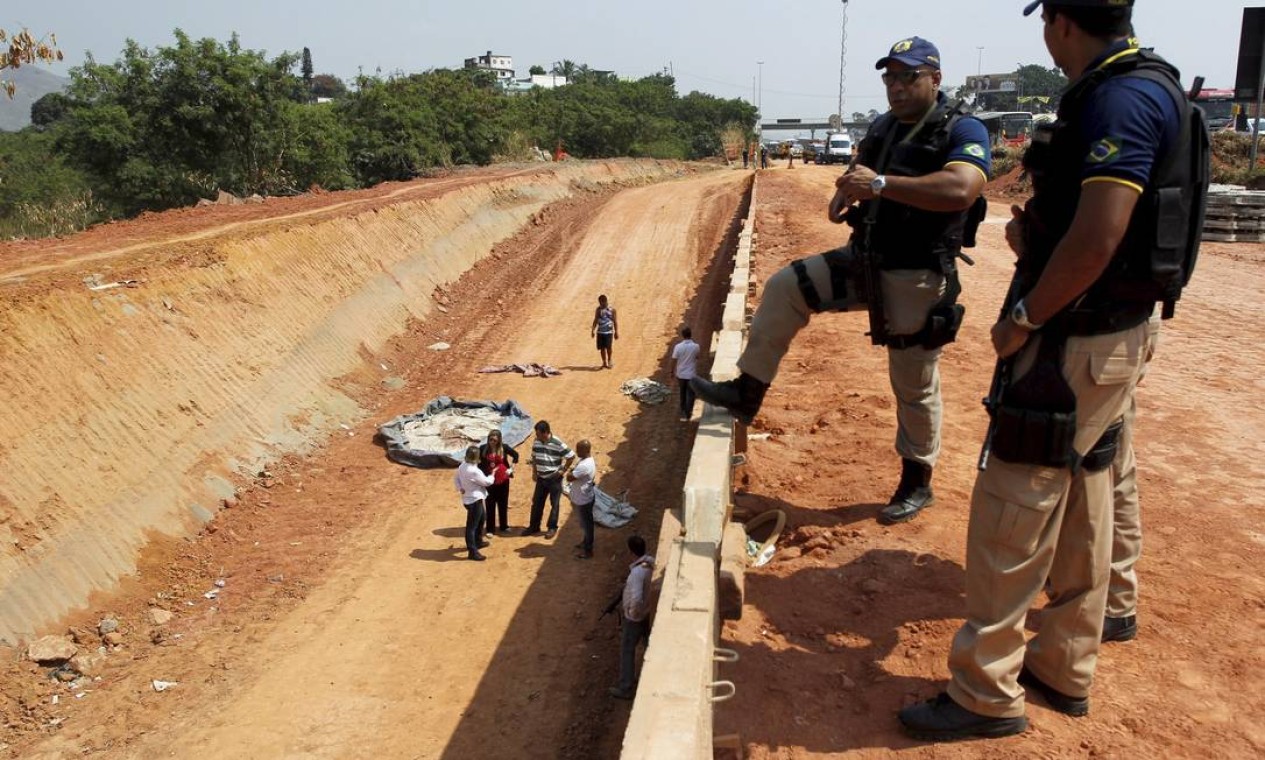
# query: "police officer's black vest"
{"points": [[906, 237], [1158, 252]]}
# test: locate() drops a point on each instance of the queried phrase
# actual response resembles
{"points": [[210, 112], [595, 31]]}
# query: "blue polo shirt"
{"points": [[969, 144], [1129, 124]]}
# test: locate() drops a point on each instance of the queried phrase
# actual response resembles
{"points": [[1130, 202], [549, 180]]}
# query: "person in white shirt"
{"points": [[685, 367], [472, 483], [634, 611], [584, 494]]}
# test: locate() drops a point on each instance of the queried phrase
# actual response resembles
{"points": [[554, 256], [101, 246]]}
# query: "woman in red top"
{"points": [[498, 459]]}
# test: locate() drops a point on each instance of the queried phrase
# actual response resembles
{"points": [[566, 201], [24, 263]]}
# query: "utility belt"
{"points": [[848, 288], [1036, 416], [1101, 321]]}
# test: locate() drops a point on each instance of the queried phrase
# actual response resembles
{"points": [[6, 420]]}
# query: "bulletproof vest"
{"points": [[1158, 252], [906, 237]]}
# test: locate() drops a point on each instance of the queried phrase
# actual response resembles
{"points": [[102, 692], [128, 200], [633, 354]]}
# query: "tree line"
{"points": [[161, 128]]}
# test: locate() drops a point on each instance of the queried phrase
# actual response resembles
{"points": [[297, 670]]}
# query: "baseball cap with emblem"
{"points": [[1079, 4], [913, 51]]}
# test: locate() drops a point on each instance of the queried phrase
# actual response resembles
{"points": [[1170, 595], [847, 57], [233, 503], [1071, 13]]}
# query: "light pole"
{"points": [[759, 99], [979, 62], [843, 57]]}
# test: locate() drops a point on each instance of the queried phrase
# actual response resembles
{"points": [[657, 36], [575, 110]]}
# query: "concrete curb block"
{"points": [[672, 712]]}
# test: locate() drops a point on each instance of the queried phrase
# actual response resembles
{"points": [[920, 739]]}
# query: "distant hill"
{"points": [[33, 83]]}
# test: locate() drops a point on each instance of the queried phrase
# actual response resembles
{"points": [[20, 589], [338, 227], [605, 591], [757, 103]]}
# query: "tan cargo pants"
{"points": [[1030, 523], [914, 373], [1126, 544]]}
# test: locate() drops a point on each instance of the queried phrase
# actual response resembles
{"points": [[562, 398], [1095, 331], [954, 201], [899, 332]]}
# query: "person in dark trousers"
{"points": [[497, 459], [551, 459], [684, 368], [472, 483], [634, 614], [744, 157], [764, 156], [583, 479], [606, 329]]}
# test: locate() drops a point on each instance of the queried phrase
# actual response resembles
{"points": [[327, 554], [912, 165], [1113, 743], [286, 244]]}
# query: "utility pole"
{"points": [[979, 62], [843, 58], [759, 99]]}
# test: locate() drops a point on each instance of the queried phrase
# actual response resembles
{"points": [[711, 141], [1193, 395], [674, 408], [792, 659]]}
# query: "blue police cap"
{"points": [[1079, 4], [914, 51]]}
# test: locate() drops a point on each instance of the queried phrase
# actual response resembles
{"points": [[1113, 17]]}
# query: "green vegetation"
{"points": [[162, 128]]}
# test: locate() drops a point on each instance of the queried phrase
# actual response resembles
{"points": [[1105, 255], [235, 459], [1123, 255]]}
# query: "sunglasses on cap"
{"points": [[903, 77]]}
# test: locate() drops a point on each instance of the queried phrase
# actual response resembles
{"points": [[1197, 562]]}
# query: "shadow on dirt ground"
{"points": [[578, 654]]}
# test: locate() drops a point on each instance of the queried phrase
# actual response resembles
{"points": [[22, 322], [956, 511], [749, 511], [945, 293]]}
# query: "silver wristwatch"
{"points": [[877, 184], [1019, 315]]}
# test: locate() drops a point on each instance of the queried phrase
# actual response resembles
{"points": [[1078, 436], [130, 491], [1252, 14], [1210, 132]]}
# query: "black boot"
{"points": [[741, 397], [912, 495]]}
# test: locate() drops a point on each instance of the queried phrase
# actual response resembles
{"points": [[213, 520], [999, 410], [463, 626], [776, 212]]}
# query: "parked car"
{"points": [[838, 148]]}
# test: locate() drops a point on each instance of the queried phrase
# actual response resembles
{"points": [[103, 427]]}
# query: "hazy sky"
{"points": [[710, 45]]}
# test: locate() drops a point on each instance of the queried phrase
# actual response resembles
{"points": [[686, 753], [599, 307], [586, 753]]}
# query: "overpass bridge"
{"points": [[811, 126]]}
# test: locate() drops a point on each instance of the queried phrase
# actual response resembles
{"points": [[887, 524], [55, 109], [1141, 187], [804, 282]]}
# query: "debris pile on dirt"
{"points": [[1013, 184]]}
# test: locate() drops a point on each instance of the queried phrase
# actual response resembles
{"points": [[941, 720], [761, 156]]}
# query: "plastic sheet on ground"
{"points": [[645, 390], [438, 435], [609, 511], [526, 370]]}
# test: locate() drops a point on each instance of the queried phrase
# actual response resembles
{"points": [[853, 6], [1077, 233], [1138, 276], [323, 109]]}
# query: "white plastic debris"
{"points": [[212, 593], [164, 685], [56, 698], [440, 346], [220, 583]]}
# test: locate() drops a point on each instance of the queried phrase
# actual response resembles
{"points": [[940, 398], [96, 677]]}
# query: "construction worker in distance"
{"points": [[917, 179]]}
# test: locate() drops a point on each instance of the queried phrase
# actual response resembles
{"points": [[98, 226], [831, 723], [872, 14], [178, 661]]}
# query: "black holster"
{"points": [[1036, 421], [1104, 451]]}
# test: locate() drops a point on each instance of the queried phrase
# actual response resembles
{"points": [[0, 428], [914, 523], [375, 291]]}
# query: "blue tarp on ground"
{"points": [[464, 423]]}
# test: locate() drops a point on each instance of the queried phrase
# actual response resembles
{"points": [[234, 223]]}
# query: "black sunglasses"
{"points": [[904, 77]]}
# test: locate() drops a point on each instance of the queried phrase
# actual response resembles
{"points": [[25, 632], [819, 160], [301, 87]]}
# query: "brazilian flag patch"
{"points": [[975, 150], [1105, 150]]}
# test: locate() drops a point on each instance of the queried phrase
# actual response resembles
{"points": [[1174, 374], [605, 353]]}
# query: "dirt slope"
{"points": [[853, 620], [349, 625]]}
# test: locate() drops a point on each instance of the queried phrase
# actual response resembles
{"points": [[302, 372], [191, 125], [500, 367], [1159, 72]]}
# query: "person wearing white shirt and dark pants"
{"points": [[685, 367], [634, 611], [584, 494], [472, 483]]}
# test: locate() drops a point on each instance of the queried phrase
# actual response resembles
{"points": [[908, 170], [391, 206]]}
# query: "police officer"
{"points": [[1113, 184], [919, 170]]}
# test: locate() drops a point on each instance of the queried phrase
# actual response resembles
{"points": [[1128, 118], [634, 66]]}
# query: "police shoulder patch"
{"points": [[974, 149], [1105, 150]]}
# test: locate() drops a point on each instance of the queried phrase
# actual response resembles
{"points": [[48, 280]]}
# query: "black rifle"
{"points": [[611, 607], [1001, 376], [863, 249]]}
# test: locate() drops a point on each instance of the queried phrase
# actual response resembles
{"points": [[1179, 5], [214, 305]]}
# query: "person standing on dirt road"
{"points": [[634, 617], [1114, 183], [684, 368], [583, 494], [764, 156], [472, 483], [918, 174], [497, 459], [551, 459], [606, 329]]}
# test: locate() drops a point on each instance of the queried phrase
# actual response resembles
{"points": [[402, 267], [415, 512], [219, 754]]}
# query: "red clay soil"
{"points": [[853, 620], [345, 627]]}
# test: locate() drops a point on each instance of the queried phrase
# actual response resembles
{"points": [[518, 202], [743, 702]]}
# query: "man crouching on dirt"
{"points": [[918, 174]]}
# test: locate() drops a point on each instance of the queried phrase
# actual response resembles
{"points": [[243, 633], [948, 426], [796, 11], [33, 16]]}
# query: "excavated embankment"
{"points": [[138, 410]]}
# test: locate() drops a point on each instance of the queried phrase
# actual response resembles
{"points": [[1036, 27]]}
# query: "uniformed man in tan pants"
{"points": [[1114, 180], [919, 170]]}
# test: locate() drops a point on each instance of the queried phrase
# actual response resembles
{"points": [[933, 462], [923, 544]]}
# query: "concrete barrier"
{"points": [[672, 712]]}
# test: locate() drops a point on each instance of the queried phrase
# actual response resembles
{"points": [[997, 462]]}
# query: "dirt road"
{"points": [[839, 634], [350, 624]]}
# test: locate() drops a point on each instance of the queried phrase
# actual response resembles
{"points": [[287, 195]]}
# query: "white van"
{"points": [[838, 148]]}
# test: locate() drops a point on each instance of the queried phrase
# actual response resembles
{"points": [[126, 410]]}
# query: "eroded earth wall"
{"points": [[135, 411]]}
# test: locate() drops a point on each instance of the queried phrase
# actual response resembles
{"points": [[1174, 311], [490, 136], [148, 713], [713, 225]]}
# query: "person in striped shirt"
{"points": [[551, 460]]}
